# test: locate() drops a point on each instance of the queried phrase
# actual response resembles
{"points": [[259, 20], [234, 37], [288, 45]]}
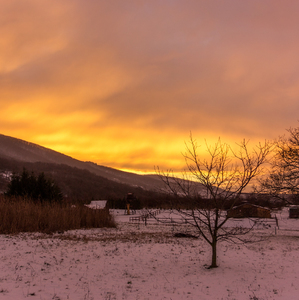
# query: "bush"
{"points": [[22, 215]]}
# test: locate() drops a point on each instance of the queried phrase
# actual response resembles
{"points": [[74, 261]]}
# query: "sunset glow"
{"points": [[123, 83]]}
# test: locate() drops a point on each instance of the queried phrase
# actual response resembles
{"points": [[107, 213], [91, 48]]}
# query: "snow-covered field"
{"points": [[136, 261]]}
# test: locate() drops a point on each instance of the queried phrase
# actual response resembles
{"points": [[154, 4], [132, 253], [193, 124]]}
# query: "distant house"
{"points": [[98, 204], [247, 210], [294, 212]]}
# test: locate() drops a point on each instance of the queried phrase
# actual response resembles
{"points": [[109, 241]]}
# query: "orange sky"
{"points": [[122, 83]]}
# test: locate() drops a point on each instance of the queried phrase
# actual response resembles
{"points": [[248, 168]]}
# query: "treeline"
{"points": [[151, 200], [264, 200], [82, 186], [35, 187]]}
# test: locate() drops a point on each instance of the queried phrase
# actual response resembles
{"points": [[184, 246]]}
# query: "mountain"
{"points": [[26, 152]]}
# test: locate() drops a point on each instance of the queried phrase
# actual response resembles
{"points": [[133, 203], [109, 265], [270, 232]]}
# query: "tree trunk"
{"points": [[214, 255]]}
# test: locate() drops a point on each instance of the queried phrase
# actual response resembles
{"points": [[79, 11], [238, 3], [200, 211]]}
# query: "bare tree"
{"points": [[283, 179], [219, 180]]}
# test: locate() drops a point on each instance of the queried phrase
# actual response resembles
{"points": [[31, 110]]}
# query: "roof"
{"points": [[294, 207], [97, 204], [249, 205]]}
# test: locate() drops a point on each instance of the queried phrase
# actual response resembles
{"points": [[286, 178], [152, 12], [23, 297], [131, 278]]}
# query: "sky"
{"points": [[123, 83]]}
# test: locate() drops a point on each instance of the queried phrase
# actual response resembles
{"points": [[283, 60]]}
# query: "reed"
{"points": [[24, 215]]}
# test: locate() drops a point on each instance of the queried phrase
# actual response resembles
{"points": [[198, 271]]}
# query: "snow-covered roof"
{"points": [[97, 204]]}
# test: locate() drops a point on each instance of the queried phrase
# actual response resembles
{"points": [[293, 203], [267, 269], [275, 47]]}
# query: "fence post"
{"points": [[276, 221]]}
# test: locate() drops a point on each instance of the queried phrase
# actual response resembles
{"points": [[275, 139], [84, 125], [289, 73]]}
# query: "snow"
{"points": [[6, 174], [135, 261]]}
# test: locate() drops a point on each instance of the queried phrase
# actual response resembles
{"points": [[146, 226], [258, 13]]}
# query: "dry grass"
{"points": [[21, 215]]}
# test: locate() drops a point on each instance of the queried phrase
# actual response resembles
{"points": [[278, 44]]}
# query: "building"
{"points": [[247, 210], [294, 212]]}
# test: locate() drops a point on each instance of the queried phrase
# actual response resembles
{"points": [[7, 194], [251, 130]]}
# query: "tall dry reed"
{"points": [[23, 215]]}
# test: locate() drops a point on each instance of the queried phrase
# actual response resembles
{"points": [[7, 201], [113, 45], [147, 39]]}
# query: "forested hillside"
{"points": [[77, 184]]}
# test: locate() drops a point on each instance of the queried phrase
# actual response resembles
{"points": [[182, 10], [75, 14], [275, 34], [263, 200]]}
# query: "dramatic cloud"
{"points": [[123, 83]]}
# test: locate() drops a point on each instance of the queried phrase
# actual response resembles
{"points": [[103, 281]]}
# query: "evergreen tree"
{"points": [[37, 188]]}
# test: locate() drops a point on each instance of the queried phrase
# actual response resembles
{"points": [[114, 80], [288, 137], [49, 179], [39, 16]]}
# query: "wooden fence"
{"points": [[144, 217]]}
